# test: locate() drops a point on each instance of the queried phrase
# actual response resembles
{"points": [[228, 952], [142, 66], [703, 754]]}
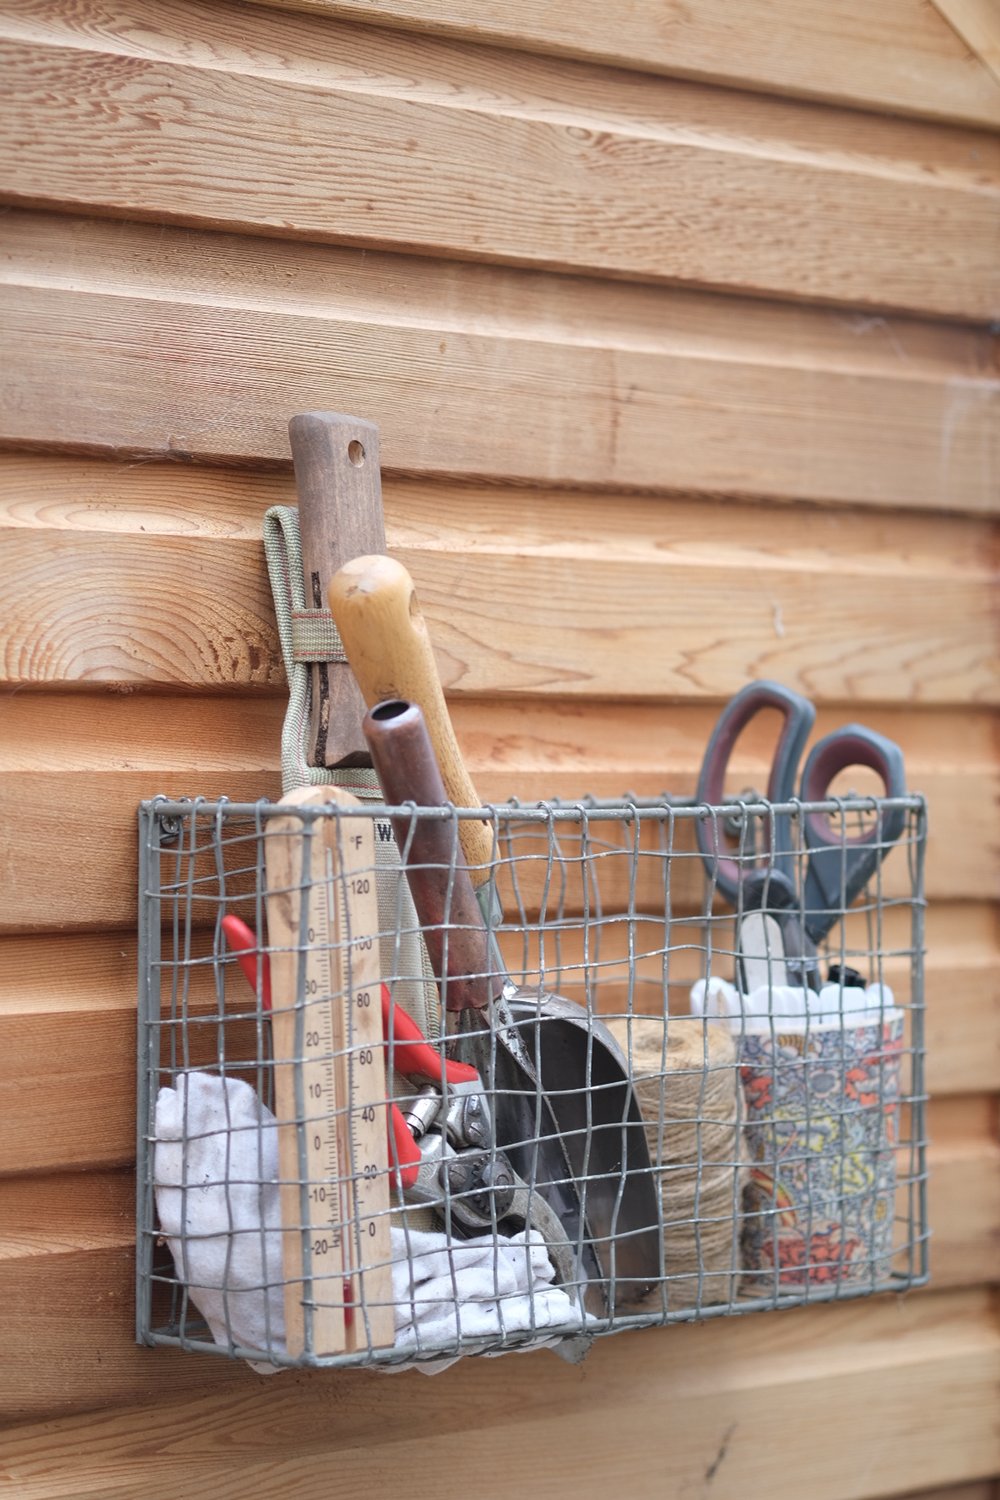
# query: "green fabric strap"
{"points": [[315, 637]]}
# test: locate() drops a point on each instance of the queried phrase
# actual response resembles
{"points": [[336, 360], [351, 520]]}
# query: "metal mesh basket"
{"points": [[312, 1192]]}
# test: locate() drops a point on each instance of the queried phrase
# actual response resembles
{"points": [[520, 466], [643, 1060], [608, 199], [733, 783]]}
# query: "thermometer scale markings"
{"points": [[304, 1084], [368, 1247], [330, 1047]]}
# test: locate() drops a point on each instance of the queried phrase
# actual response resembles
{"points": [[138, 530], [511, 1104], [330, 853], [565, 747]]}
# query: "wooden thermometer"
{"points": [[331, 1103]]}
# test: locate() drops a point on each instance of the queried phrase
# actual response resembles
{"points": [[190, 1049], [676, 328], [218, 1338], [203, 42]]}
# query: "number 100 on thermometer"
{"points": [[329, 1077]]}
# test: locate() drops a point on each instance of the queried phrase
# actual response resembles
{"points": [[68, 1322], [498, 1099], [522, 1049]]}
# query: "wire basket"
{"points": [[317, 1185]]}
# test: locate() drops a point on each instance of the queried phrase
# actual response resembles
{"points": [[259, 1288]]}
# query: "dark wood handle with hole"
{"points": [[339, 487]]}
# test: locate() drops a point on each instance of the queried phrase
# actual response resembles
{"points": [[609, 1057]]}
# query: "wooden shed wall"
{"points": [[678, 324]]}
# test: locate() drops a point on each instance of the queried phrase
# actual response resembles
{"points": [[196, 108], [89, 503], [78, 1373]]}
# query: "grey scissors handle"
{"points": [[799, 715], [839, 867]]}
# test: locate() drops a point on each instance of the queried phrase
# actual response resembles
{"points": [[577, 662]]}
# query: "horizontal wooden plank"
{"points": [[983, 1489], [897, 1373], [261, 275], [67, 1009], [896, 56], [126, 609], [45, 492], [511, 583], [120, 123], [71, 1254], [72, 1215], [71, 779], [91, 832], [964, 1191], [544, 624], [165, 341], [532, 748]]}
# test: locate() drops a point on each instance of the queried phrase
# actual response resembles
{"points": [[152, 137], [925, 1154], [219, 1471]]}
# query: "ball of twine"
{"points": [[686, 1081]]}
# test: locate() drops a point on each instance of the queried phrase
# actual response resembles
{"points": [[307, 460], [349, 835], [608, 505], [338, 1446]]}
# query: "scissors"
{"points": [[836, 867]]}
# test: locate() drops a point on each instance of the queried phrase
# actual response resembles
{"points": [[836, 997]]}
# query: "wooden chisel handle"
{"points": [[374, 604], [339, 489]]}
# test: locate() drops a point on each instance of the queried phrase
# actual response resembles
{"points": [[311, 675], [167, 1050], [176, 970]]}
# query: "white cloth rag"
{"points": [[215, 1171], [787, 1007]]}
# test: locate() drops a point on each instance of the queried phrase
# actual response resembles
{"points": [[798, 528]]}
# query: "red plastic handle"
{"points": [[243, 941], [411, 1052], [403, 1149]]}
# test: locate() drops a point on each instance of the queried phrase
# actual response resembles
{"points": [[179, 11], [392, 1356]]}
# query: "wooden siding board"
{"points": [[160, 366], [902, 1373], [91, 832], [80, 764], [289, 151], [133, 574], [42, 492], [186, 613], [67, 1009], [84, 253], [896, 56], [631, 423]]}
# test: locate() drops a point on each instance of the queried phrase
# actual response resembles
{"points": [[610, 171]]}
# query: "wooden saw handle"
{"points": [[339, 488], [375, 606]]}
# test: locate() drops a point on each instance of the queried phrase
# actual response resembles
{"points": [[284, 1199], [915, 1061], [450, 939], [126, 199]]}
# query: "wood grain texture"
{"points": [[198, 345], [984, 1489], [564, 181], [178, 612], [339, 491], [117, 751], [377, 612], [511, 590], [896, 57], [620, 494], [905, 1371], [67, 1008], [965, 1190]]}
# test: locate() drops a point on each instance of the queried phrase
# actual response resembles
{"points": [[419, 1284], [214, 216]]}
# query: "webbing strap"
{"points": [[315, 637]]}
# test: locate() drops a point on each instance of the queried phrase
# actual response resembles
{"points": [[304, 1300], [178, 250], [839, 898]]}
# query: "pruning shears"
{"points": [[446, 1118]]}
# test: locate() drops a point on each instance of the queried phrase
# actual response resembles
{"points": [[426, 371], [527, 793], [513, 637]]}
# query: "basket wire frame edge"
{"points": [[160, 821]]}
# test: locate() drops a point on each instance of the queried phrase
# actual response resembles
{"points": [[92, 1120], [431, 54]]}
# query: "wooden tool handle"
{"points": [[375, 605], [436, 872], [339, 488]]}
